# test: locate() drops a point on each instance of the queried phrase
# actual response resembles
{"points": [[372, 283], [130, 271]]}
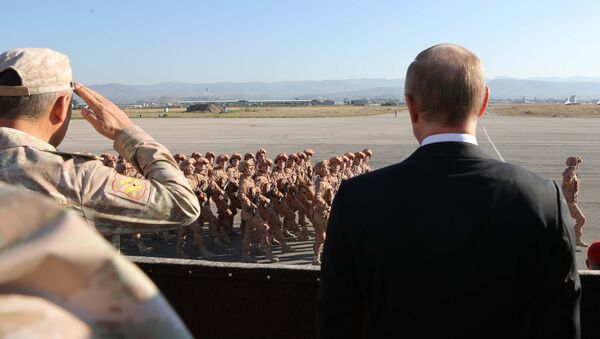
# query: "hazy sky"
{"points": [[143, 42]]}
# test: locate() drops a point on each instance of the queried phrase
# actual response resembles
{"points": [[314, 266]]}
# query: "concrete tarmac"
{"points": [[538, 144]]}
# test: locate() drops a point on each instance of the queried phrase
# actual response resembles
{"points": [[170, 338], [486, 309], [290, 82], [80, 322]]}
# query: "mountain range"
{"points": [[501, 88]]}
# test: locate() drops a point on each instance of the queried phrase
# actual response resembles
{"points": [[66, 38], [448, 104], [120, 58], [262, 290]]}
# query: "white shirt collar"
{"points": [[449, 137]]}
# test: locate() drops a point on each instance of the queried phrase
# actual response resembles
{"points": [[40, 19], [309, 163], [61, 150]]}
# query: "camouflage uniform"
{"points": [[570, 188], [233, 175], [281, 206], [322, 206], [256, 227], [58, 278], [114, 203]]}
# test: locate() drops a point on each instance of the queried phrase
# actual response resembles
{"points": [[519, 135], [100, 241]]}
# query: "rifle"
{"points": [[255, 201]]}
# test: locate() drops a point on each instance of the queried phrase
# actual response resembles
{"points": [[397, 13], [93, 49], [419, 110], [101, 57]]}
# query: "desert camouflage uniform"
{"points": [[281, 205], [114, 203], [220, 197], [59, 279], [256, 227], [570, 188], [233, 175], [322, 206], [268, 188]]}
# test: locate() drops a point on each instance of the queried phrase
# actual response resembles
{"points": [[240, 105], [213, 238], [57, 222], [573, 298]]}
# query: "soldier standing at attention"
{"points": [[322, 207], [36, 89], [570, 188], [256, 227]]}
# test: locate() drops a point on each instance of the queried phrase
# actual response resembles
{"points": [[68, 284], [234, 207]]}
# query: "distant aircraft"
{"points": [[572, 100]]}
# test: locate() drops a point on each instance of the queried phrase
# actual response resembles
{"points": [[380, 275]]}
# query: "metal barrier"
{"points": [[231, 300]]}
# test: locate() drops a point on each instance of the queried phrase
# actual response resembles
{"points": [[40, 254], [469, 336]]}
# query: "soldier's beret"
{"points": [[209, 155], [573, 161], [281, 157], [594, 252], [248, 156], [309, 151]]}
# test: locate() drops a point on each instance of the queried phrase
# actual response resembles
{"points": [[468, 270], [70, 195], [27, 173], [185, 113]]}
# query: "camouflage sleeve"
{"points": [[243, 194], [119, 204], [42, 247]]}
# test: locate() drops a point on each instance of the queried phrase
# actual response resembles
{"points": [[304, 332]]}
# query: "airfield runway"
{"points": [[538, 144]]}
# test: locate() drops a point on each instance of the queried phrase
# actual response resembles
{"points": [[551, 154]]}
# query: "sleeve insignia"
{"points": [[132, 187]]}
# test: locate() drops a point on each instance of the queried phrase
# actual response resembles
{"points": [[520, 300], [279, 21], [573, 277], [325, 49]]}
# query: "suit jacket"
{"points": [[449, 243]]}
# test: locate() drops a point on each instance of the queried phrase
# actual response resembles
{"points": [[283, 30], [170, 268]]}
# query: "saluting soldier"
{"points": [[36, 89], [570, 187]]}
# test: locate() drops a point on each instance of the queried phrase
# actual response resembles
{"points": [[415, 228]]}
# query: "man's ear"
{"points": [[60, 109], [412, 108], [486, 100]]}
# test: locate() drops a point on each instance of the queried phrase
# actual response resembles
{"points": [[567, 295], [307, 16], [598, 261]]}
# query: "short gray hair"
{"points": [[24, 107], [447, 84]]}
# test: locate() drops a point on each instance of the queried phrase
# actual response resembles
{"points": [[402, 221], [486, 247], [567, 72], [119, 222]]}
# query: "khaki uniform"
{"points": [[220, 178], [322, 206], [59, 278], [570, 188], [267, 212], [114, 203], [281, 206], [256, 227], [234, 203]]}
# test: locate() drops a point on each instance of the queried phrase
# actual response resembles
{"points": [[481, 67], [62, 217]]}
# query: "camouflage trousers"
{"points": [[272, 218], [578, 216], [195, 230], [256, 228], [289, 217], [320, 220], [206, 215]]}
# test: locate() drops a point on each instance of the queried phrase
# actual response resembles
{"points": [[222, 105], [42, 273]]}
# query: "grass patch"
{"points": [[547, 110], [266, 112]]}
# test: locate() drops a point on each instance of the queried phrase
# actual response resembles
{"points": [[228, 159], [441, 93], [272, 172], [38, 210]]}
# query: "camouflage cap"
{"points": [[246, 163], [359, 155], [235, 156], [261, 151], [309, 151], [209, 155], [248, 156], [196, 155], [319, 166], [222, 157], [202, 161], [281, 156], [294, 157], [269, 162], [301, 155], [368, 152], [41, 71], [573, 161], [350, 155]]}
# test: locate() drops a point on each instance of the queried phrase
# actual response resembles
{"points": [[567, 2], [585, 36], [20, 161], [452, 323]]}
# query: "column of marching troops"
{"points": [[275, 197]]}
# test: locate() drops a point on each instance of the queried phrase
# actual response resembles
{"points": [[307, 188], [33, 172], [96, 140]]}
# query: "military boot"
{"points": [[217, 242], [272, 258], [143, 248], [224, 237], [317, 259], [285, 248], [302, 236], [204, 252], [247, 258], [580, 242]]}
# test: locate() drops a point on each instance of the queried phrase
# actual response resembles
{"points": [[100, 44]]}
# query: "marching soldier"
{"points": [[233, 174], [322, 207], [256, 227], [208, 187], [570, 187], [261, 155], [368, 155], [221, 179], [210, 156], [281, 206], [195, 228], [268, 188], [309, 168]]}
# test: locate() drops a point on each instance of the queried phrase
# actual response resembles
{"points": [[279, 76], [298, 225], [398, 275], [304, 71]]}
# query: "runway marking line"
{"points": [[492, 143]]}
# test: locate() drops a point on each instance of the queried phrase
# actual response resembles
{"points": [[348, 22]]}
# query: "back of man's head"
{"points": [[447, 84], [32, 82]]}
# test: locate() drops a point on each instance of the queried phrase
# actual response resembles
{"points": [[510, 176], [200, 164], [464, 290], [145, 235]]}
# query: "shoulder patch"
{"points": [[133, 188]]}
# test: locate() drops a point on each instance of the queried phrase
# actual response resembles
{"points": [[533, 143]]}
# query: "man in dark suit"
{"points": [[451, 243]]}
